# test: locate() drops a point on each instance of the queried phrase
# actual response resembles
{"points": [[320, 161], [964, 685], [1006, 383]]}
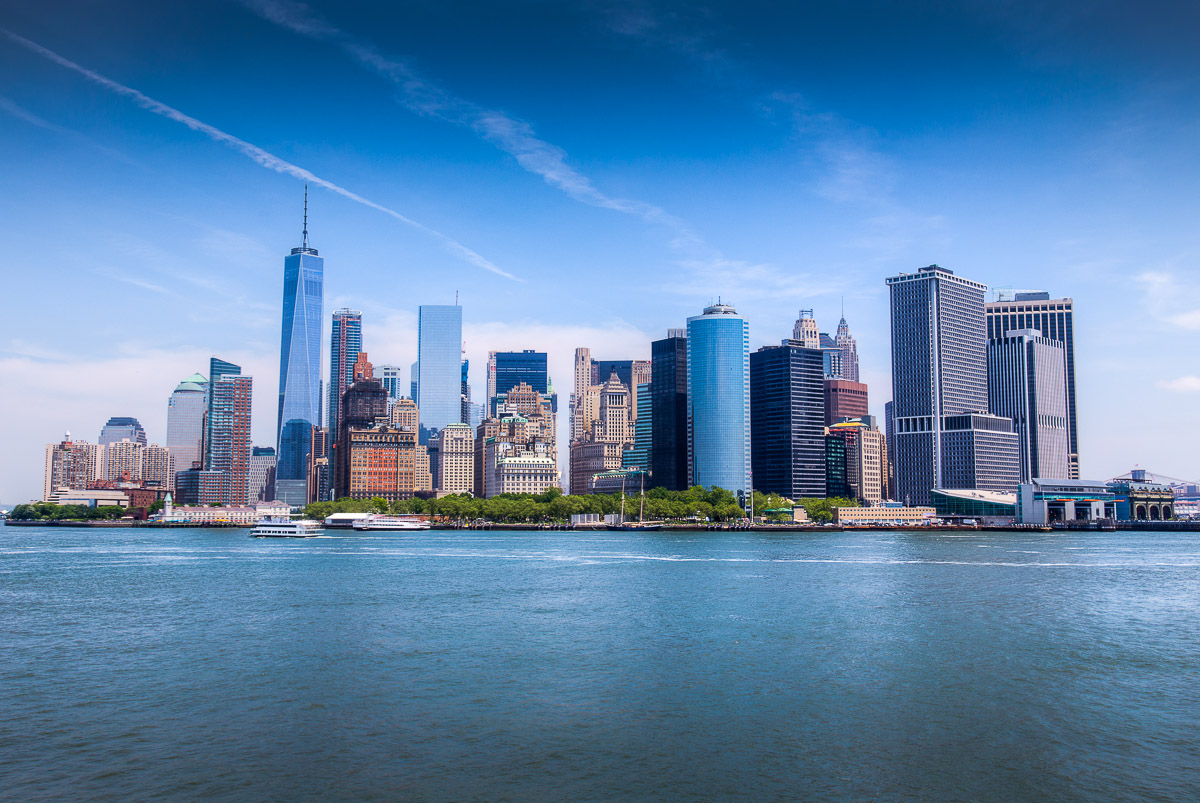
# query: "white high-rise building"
{"points": [[157, 465], [456, 459]]}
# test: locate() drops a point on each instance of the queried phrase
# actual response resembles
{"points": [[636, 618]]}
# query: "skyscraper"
{"points": [[787, 419], [1027, 382], [217, 368], [121, 428], [844, 399], [345, 342], [669, 410], [185, 421], [439, 357], [849, 348], [944, 436], [718, 399], [299, 367], [507, 369], [261, 483], [805, 331], [228, 428], [1055, 319], [71, 464], [389, 377], [363, 405]]}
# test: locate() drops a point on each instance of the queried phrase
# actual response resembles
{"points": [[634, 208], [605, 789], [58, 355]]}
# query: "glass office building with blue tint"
{"points": [[299, 369], [718, 399], [439, 360]]}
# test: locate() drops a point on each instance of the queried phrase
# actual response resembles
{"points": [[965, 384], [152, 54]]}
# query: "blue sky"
{"points": [[587, 174]]}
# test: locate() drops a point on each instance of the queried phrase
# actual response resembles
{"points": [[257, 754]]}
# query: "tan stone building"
{"points": [[456, 459], [157, 465]]}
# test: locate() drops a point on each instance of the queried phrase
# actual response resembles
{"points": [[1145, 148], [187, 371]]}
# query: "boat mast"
{"points": [[642, 499]]}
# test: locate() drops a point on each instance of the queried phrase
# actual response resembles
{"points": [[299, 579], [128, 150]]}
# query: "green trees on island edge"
{"points": [[552, 505]]}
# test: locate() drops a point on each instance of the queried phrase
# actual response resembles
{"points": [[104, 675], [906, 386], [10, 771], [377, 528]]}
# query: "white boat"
{"points": [[391, 523], [286, 528]]}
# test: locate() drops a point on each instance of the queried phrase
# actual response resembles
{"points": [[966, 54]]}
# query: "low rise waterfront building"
{"points": [[885, 515], [953, 503], [1053, 501], [1142, 501]]}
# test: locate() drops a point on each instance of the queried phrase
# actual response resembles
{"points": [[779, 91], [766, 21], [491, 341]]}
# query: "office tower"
{"points": [[405, 415], [157, 466], [890, 439], [228, 429], [848, 347], [320, 473], [718, 399], [382, 461], [217, 368], [185, 421], [1055, 319], [865, 468], [439, 354], [507, 369], [639, 456], [456, 459], [787, 419], [299, 367], [516, 454], [362, 406], [1027, 382], [477, 410], [464, 396], [123, 461], [943, 435], [602, 448], [120, 428], [585, 399], [836, 480], [71, 464], [844, 399], [805, 330], [345, 342], [668, 416], [261, 483], [389, 377], [831, 356], [414, 379]]}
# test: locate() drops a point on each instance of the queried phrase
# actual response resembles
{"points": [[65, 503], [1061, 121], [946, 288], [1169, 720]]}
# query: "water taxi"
{"points": [[391, 523], [286, 528]]}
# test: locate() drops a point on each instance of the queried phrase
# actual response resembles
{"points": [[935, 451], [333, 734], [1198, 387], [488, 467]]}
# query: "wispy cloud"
{"points": [[424, 97], [257, 154], [1169, 300], [21, 113], [1184, 384], [708, 269]]}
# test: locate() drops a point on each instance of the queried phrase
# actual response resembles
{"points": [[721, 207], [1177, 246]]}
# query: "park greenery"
{"points": [[552, 506], [48, 511]]}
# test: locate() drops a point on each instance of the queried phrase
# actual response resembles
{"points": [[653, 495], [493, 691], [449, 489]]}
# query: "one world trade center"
{"points": [[299, 367]]}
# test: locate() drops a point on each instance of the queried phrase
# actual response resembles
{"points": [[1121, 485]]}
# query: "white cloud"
{"points": [[1184, 384], [1169, 300]]}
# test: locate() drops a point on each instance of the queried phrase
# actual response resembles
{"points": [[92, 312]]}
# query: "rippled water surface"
{"points": [[205, 665]]}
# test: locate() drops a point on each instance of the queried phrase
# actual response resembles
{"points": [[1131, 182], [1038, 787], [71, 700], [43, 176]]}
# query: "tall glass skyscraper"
{"points": [[718, 399], [120, 428], [787, 415], [299, 367], [185, 421], [439, 359], [668, 401], [345, 344]]}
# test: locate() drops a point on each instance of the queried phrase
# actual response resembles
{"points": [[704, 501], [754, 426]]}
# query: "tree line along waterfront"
{"points": [[553, 506]]}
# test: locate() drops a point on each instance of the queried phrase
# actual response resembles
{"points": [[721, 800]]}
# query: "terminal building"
{"points": [[953, 503], [1063, 501], [1143, 501]]}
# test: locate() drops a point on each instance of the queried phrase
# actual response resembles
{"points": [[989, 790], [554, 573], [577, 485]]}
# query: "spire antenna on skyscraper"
{"points": [[305, 243]]}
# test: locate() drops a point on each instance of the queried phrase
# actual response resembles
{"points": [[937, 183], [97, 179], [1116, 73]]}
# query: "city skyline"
{"points": [[189, 232]]}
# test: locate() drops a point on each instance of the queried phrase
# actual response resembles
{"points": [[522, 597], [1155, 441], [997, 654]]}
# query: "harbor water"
{"points": [[198, 664]]}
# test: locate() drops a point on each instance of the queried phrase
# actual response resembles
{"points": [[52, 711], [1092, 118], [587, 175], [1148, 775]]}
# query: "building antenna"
{"points": [[305, 244], [456, 298]]}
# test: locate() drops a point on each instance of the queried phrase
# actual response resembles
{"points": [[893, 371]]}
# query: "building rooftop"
{"points": [[995, 497]]}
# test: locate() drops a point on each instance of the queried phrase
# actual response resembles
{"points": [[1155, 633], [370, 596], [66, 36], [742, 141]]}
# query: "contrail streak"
{"points": [[264, 158]]}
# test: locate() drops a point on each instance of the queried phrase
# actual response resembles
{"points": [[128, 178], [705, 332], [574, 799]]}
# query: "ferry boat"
{"points": [[391, 523], [286, 528]]}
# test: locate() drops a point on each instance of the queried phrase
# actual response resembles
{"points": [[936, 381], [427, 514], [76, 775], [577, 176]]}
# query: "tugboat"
{"points": [[286, 528]]}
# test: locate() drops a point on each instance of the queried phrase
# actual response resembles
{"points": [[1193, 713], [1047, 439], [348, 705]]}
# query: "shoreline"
{"points": [[1183, 526]]}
